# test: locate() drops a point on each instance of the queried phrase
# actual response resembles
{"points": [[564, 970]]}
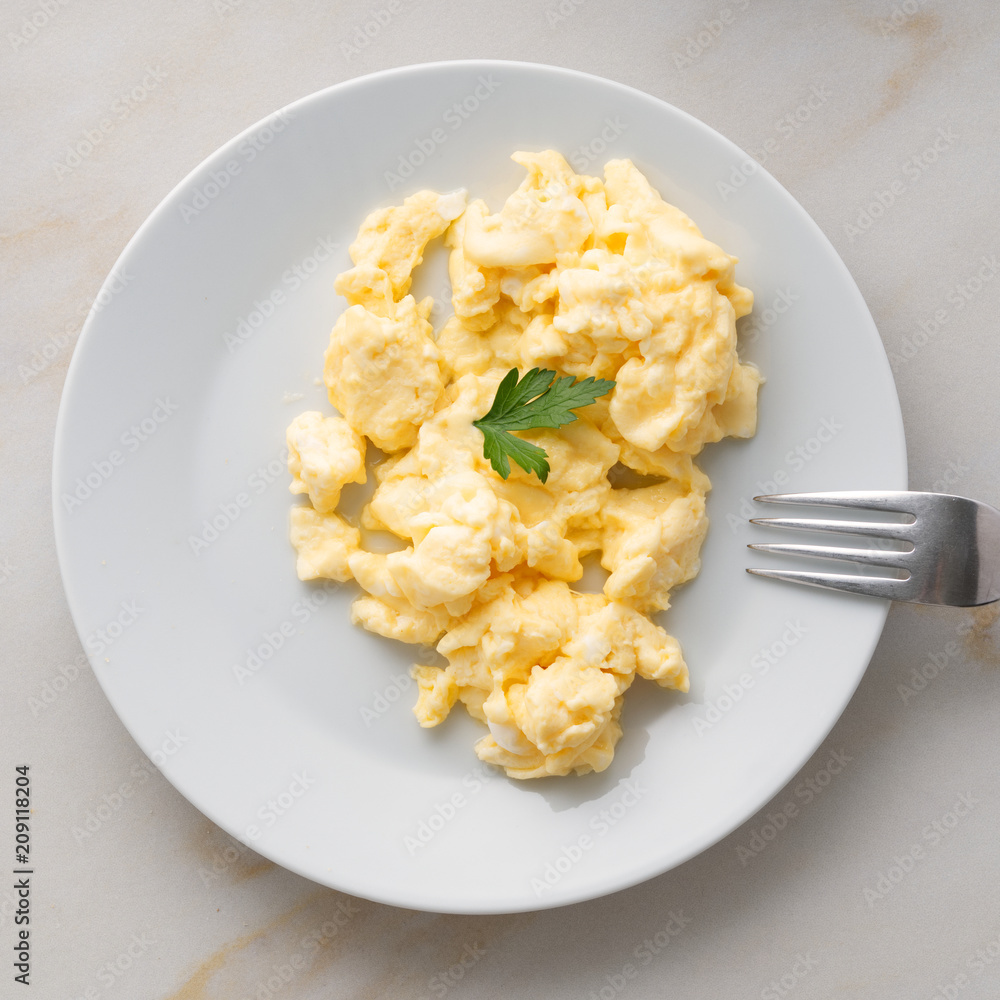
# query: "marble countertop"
{"points": [[880, 117]]}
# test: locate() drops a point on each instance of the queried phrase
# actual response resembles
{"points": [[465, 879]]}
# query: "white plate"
{"points": [[173, 417]]}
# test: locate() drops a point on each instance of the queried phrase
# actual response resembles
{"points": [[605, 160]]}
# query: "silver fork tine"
{"points": [[869, 557], [882, 530], [873, 586], [896, 502]]}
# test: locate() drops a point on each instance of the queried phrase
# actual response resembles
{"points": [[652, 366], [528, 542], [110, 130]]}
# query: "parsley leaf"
{"points": [[533, 401], [497, 445]]}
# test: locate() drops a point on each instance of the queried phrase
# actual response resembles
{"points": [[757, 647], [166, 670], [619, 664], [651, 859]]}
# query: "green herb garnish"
{"points": [[533, 401]]}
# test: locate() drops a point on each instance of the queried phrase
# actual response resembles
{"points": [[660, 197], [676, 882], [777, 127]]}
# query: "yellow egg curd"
{"points": [[584, 277]]}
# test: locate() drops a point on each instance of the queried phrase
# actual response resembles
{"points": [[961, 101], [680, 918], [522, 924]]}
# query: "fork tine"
{"points": [[885, 529], [869, 557], [871, 586], [896, 502]]}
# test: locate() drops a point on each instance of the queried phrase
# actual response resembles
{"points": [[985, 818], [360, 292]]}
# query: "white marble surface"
{"points": [[153, 900]]}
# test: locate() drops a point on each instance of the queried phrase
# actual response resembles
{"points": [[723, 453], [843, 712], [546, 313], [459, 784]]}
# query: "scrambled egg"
{"points": [[586, 277]]}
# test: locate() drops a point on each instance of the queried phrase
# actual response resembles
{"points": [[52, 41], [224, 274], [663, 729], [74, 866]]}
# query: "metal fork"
{"points": [[953, 556]]}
